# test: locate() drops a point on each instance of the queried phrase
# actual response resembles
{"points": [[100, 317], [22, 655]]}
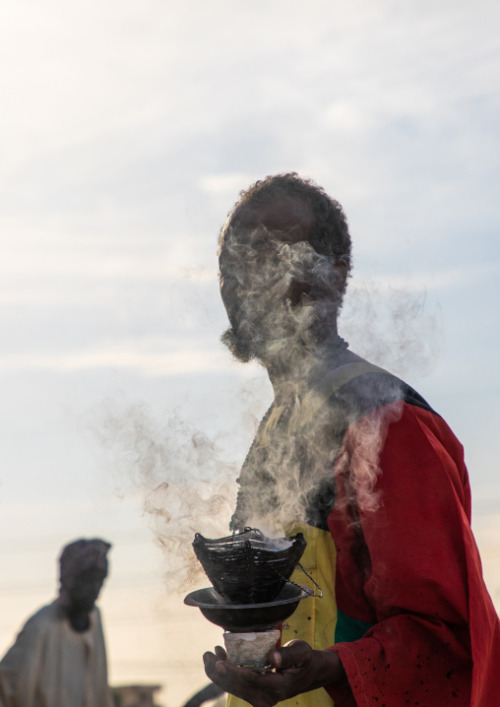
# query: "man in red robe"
{"points": [[359, 462]]}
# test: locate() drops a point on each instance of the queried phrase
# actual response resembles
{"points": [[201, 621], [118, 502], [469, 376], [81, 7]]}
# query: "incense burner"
{"points": [[251, 593]]}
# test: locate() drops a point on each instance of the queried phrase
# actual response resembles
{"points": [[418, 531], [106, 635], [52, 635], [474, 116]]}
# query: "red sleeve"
{"points": [[403, 558]]}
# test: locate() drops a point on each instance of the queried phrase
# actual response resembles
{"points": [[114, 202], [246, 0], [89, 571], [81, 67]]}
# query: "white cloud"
{"points": [[226, 184], [427, 281], [412, 282], [149, 359]]}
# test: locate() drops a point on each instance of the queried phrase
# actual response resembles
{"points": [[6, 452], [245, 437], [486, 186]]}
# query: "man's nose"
{"points": [[296, 290]]}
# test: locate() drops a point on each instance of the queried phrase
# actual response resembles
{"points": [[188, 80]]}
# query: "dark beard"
{"points": [[240, 347], [250, 343], [256, 332]]}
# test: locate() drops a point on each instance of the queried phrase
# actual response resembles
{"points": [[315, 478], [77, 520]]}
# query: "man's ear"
{"points": [[342, 268]]}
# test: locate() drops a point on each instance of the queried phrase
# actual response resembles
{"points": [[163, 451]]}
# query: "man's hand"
{"points": [[296, 668]]}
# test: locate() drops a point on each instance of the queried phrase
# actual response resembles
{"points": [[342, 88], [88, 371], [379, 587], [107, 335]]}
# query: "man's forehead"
{"points": [[289, 219]]}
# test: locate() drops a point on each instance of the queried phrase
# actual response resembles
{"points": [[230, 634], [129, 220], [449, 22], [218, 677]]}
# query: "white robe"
{"points": [[51, 665]]}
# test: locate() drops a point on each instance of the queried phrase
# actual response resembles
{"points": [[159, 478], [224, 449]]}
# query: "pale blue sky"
{"points": [[126, 131]]}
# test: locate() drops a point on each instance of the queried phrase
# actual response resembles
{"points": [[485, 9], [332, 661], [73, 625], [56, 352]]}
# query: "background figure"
{"points": [[59, 656]]}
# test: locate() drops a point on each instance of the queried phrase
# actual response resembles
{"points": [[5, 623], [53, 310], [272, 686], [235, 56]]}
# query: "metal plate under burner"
{"points": [[248, 617]]}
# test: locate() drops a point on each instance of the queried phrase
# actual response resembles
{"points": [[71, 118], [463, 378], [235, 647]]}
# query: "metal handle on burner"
{"points": [[317, 596], [313, 596]]}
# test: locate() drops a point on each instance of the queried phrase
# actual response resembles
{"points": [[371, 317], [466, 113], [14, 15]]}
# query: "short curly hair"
{"points": [[329, 234]]}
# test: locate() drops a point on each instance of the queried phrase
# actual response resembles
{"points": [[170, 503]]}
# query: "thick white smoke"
{"points": [[397, 328], [389, 327], [286, 302]]}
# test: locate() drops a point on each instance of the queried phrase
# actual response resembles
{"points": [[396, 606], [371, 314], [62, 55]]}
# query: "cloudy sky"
{"points": [[126, 131]]}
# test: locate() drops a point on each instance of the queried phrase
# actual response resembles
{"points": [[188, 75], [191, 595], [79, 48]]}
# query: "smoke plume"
{"points": [[176, 471], [397, 328], [282, 300]]}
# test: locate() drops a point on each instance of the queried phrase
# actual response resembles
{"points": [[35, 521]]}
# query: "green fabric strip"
{"points": [[349, 629]]}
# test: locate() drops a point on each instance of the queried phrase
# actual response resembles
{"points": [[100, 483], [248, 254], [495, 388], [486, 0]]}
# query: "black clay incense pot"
{"points": [[251, 593]]}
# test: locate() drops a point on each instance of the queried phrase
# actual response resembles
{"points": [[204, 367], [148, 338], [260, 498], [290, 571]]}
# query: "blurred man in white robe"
{"points": [[59, 656]]}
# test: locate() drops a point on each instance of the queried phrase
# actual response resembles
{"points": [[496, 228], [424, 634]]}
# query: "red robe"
{"points": [[411, 569]]}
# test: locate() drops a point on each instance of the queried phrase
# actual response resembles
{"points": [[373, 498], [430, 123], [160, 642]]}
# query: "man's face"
{"points": [[84, 587], [274, 285]]}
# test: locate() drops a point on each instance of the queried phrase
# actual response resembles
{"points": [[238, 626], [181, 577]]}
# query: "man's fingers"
{"points": [[211, 660], [292, 655]]}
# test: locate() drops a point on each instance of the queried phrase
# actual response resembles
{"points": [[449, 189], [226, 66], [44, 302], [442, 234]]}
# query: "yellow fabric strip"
{"points": [[315, 618]]}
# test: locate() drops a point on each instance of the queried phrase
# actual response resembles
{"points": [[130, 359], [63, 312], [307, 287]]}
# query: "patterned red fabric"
{"points": [[411, 567]]}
